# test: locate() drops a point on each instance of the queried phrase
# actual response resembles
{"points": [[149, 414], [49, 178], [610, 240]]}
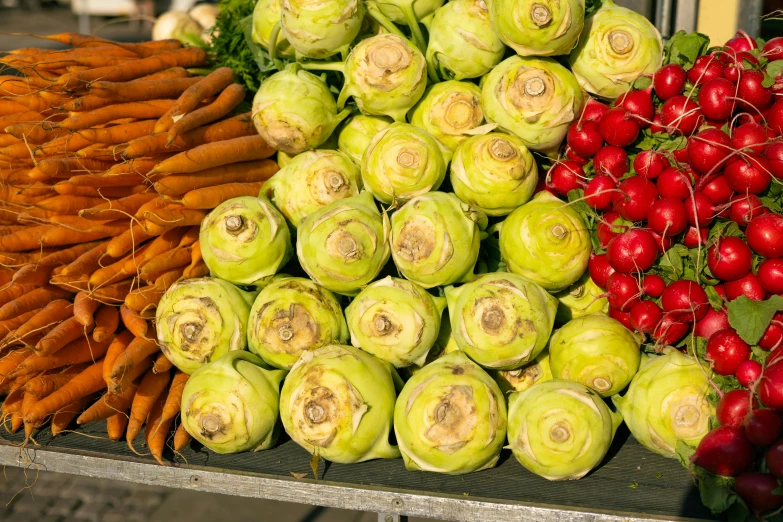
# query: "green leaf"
{"points": [[642, 82], [775, 68], [716, 301], [773, 198], [684, 453], [591, 6], [759, 354], [716, 492], [683, 48], [725, 229], [768, 81], [751, 318]]}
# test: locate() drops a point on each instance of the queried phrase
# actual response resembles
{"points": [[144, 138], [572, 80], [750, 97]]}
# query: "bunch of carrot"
{"points": [[112, 155]]}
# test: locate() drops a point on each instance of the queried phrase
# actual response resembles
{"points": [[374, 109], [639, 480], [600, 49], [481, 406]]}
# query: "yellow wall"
{"points": [[718, 19]]}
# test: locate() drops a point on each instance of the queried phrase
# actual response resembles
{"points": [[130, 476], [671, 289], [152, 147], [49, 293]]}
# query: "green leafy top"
{"points": [[751, 318], [683, 48]]}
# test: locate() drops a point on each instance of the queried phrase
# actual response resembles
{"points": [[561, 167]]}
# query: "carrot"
{"points": [[51, 168], [48, 383], [174, 399], [66, 188], [217, 154], [84, 306], [154, 433], [118, 133], [150, 390], [61, 336], [189, 57], [142, 90], [232, 96], [114, 294], [88, 261], [12, 360], [39, 272], [211, 197], [135, 324], [82, 40], [158, 246], [117, 209], [148, 297], [14, 291], [125, 242], [117, 346], [162, 364], [195, 270], [79, 351], [56, 311], [86, 383], [157, 224], [114, 271], [65, 415], [106, 322], [140, 110], [116, 424], [30, 301], [210, 85], [108, 405], [70, 283], [138, 349], [156, 266], [68, 204], [117, 385], [181, 438], [124, 179], [89, 102], [66, 144], [32, 132]]}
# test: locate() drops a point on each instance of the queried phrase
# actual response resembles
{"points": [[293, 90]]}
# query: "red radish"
{"points": [[775, 118], [681, 155], [694, 237], [720, 290], [757, 490], [669, 81], [599, 192], [618, 127], [681, 115], [733, 407], [772, 338], [668, 217], [673, 183], [566, 176], [634, 198], [645, 316], [611, 161], [685, 301], [748, 372], [774, 459], [724, 451], [773, 49], [584, 138], [750, 174], [716, 99], [748, 286], [742, 42], [657, 124], [729, 259], [765, 235], [610, 226], [650, 164], [770, 274], [704, 69], [712, 321], [664, 243], [770, 386], [763, 427], [751, 93], [600, 270], [774, 356], [718, 190], [726, 350], [750, 137], [736, 65], [639, 105], [700, 209], [623, 291], [670, 331], [708, 150], [594, 110], [623, 317], [573, 156], [745, 209], [653, 285], [774, 154], [632, 251]]}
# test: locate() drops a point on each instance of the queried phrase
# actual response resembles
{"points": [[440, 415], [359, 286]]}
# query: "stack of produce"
{"points": [[111, 157]]}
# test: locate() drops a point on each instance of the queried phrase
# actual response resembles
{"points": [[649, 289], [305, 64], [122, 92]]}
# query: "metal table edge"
{"points": [[305, 491]]}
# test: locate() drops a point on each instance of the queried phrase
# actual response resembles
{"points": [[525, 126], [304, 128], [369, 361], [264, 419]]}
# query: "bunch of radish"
{"points": [[690, 165]]}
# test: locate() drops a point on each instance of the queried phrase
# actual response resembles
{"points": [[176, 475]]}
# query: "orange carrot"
{"points": [[30, 301], [33, 132], [117, 209], [138, 349], [115, 271], [88, 261], [142, 89], [210, 85], [108, 405], [232, 96], [155, 433], [140, 110], [106, 322], [162, 364], [151, 388], [117, 346], [116, 424], [12, 360], [79, 351], [61, 336], [59, 167], [14, 291], [56, 311], [211, 197], [114, 294], [89, 102], [119, 133], [117, 385], [174, 399], [135, 324], [189, 57], [63, 145], [66, 188], [86, 383], [181, 438], [217, 154], [104, 179], [125, 242], [65, 415], [159, 223], [156, 266], [38, 273], [84, 306], [48, 383], [160, 245], [195, 270]]}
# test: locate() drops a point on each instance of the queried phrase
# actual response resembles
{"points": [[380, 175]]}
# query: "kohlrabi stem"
{"points": [[413, 23], [324, 66], [432, 71], [272, 45], [378, 16]]}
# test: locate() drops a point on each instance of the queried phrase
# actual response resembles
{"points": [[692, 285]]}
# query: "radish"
{"points": [[719, 192], [748, 286], [645, 316], [775, 118], [770, 385], [748, 372], [765, 235], [742, 42], [694, 237], [774, 154], [729, 258], [681, 115], [712, 321], [623, 317], [634, 198], [773, 49], [594, 110], [757, 490], [599, 192], [632, 251], [772, 338], [700, 209], [618, 128], [622, 291], [770, 274], [584, 138], [653, 285], [716, 99], [650, 164], [774, 459], [657, 124], [610, 226], [566, 176], [733, 407], [611, 161], [600, 270], [674, 183], [669, 81], [573, 156], [745, 209], [724, 451], [681, 155], [748, 175], [670, 331], [685, 301], [704, 69], [750, 137], [668, 217], [639, 105], [736, 65], [751, 93], [726, 350], [663, 243], [763, 427], [708, 149]]}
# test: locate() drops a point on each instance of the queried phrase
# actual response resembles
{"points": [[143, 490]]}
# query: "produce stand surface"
{"points": [[631, 485]]}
